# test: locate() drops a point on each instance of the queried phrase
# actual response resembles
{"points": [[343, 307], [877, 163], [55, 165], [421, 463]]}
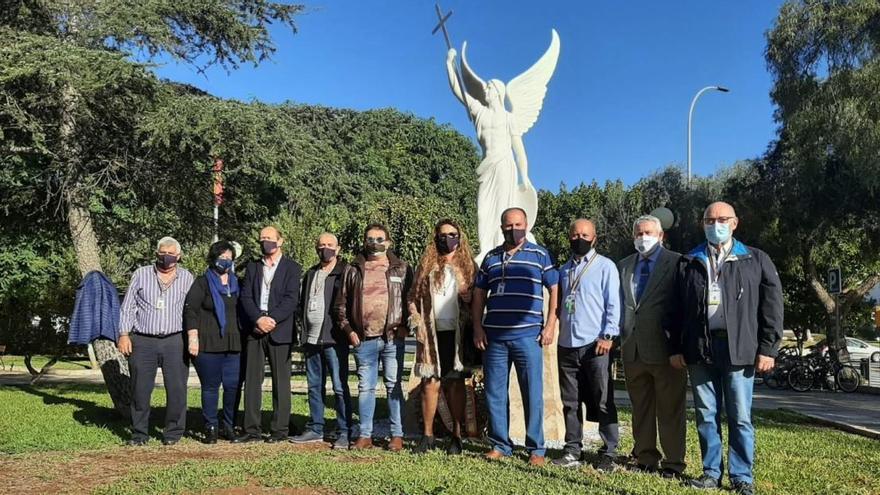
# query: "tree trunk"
{"points": [[114, 366]]}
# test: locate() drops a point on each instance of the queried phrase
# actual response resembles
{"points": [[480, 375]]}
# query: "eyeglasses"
{"points": [[713, 221], [375, 240], [451, 235]]}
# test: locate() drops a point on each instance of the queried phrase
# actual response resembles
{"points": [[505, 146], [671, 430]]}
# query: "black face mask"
{"points": [[165, 261], [445, 244], [580, 246], [513, 237], [326, 254], [268, 247], [375, 248]]}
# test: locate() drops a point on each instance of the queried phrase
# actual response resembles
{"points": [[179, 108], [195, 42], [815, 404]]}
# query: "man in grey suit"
{"points": [[656, 388]]}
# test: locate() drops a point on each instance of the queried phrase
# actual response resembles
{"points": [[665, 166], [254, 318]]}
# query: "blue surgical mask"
{"points": [[223, 266], [717, 233]]}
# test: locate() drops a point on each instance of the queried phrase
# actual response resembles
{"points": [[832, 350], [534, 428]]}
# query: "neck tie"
{"points": [[644, 273]]}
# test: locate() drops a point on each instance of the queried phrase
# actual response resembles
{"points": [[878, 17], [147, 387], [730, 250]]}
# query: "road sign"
{"points": [[834, 281]]}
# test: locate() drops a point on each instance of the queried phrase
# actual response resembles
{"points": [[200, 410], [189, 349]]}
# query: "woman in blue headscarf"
{"points": [[214, 340]]}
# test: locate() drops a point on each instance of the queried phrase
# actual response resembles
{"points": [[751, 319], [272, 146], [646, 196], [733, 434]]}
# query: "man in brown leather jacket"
{"points": [[371, 309]]}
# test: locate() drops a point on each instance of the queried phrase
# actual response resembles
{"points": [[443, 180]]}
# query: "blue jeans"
{"points": [[526, 355], [712, 384], [214, 369], [332, 360], [367, 356]]}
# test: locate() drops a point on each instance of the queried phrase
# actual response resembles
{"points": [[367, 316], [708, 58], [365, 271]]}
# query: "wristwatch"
{"points": [[607, 336]]}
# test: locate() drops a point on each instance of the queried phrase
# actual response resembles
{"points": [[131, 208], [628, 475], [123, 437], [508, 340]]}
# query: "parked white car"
{"points": [[859, 349]]}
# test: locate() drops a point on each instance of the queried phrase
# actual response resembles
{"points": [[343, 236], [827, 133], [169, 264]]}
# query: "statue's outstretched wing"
{"points": [[475, 87], [525, 93]]}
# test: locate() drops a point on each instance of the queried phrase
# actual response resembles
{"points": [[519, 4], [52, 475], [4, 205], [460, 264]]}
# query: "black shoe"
{"points": [[137, 442], [307, 436], [211, 434], [227, 432], [568, 459], [671, 474], [644, 468], [168, 442], [743, 488], [425, 444], [704, 482], [605, 464], [276, 439], [455, 447], [247, 438]]}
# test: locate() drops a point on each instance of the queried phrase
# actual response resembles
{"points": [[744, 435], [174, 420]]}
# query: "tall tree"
{"points": [[821, 173], [202, 33]]}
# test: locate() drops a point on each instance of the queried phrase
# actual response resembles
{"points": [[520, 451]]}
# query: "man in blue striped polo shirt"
{"points": [[510, 288]]}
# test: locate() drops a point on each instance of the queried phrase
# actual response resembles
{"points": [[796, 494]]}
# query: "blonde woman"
{"points": [[440, 318]]}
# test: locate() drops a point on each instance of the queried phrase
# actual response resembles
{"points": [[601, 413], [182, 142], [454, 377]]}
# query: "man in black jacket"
{"points": [[731, 326], [325, 345], [269, 298]]}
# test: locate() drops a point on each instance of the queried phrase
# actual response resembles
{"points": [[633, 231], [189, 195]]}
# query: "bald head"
{"points": [[719, 222], [719, 209], [270, 233], [327, 240], [582, 228]]}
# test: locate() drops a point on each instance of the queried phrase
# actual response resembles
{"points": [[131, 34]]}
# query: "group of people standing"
{"points": [[714, 313]]}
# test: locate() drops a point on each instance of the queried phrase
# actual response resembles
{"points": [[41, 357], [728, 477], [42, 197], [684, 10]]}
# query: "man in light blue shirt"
{"points": [[589, 319]]}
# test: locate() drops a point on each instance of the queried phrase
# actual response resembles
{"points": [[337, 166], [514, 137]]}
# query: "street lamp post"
{"points": [[690, 123]]}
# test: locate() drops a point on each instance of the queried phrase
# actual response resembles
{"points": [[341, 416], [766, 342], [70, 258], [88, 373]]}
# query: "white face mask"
{"points": [[645, 243]]}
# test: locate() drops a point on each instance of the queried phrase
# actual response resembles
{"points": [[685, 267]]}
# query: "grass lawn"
{"points": [[67, 438], [16, 363]]}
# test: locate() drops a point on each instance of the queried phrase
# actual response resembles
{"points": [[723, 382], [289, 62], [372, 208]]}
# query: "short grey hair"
{"points": [[168, 241], [647, 218]]}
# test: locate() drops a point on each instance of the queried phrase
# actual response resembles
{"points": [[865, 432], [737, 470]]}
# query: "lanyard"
{"points": [[504, 264], [574, 283], [716, 264]]}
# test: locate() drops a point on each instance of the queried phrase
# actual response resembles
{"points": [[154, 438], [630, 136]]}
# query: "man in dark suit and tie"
{"points": [[269, 299], [656, 388]]}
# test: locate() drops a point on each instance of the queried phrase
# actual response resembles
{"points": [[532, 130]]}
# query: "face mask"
{"points": [[375, 248], [513, 237], [645, 243], [326, 254], [223, 266], [165, 261], [717, 233], [268, 247], [580, 246], [446, 245]]}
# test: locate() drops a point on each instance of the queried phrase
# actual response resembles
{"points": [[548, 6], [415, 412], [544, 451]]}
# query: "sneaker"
{"points": [[704, 482], [307, 436], [455, 447], [425, 444], [605, 464], [137, 442], [743, 488], [341, 442], [568, 460]]}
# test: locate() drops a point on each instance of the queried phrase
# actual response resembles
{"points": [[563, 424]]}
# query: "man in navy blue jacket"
{"points": [[269, 299]]}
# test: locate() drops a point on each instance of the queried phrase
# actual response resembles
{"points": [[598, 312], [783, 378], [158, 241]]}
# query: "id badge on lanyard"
{"points": [[160, 302], [264, 297], [313, 303], [715, 280], [570, 303], [714, 294]]}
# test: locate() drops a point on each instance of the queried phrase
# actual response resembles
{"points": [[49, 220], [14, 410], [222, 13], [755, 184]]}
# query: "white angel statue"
{"points": [[503, 172]]}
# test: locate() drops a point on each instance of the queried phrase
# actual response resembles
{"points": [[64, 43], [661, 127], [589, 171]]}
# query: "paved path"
{"points": [[857, 413]]}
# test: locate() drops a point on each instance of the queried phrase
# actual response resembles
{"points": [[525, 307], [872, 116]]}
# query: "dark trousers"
{"points": [[258, 350], [323, 361], [148, 354], [214, 369], [585, 380]]}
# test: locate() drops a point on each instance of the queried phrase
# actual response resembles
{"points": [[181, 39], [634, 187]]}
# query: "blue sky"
{"points": [[616, 106]]}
